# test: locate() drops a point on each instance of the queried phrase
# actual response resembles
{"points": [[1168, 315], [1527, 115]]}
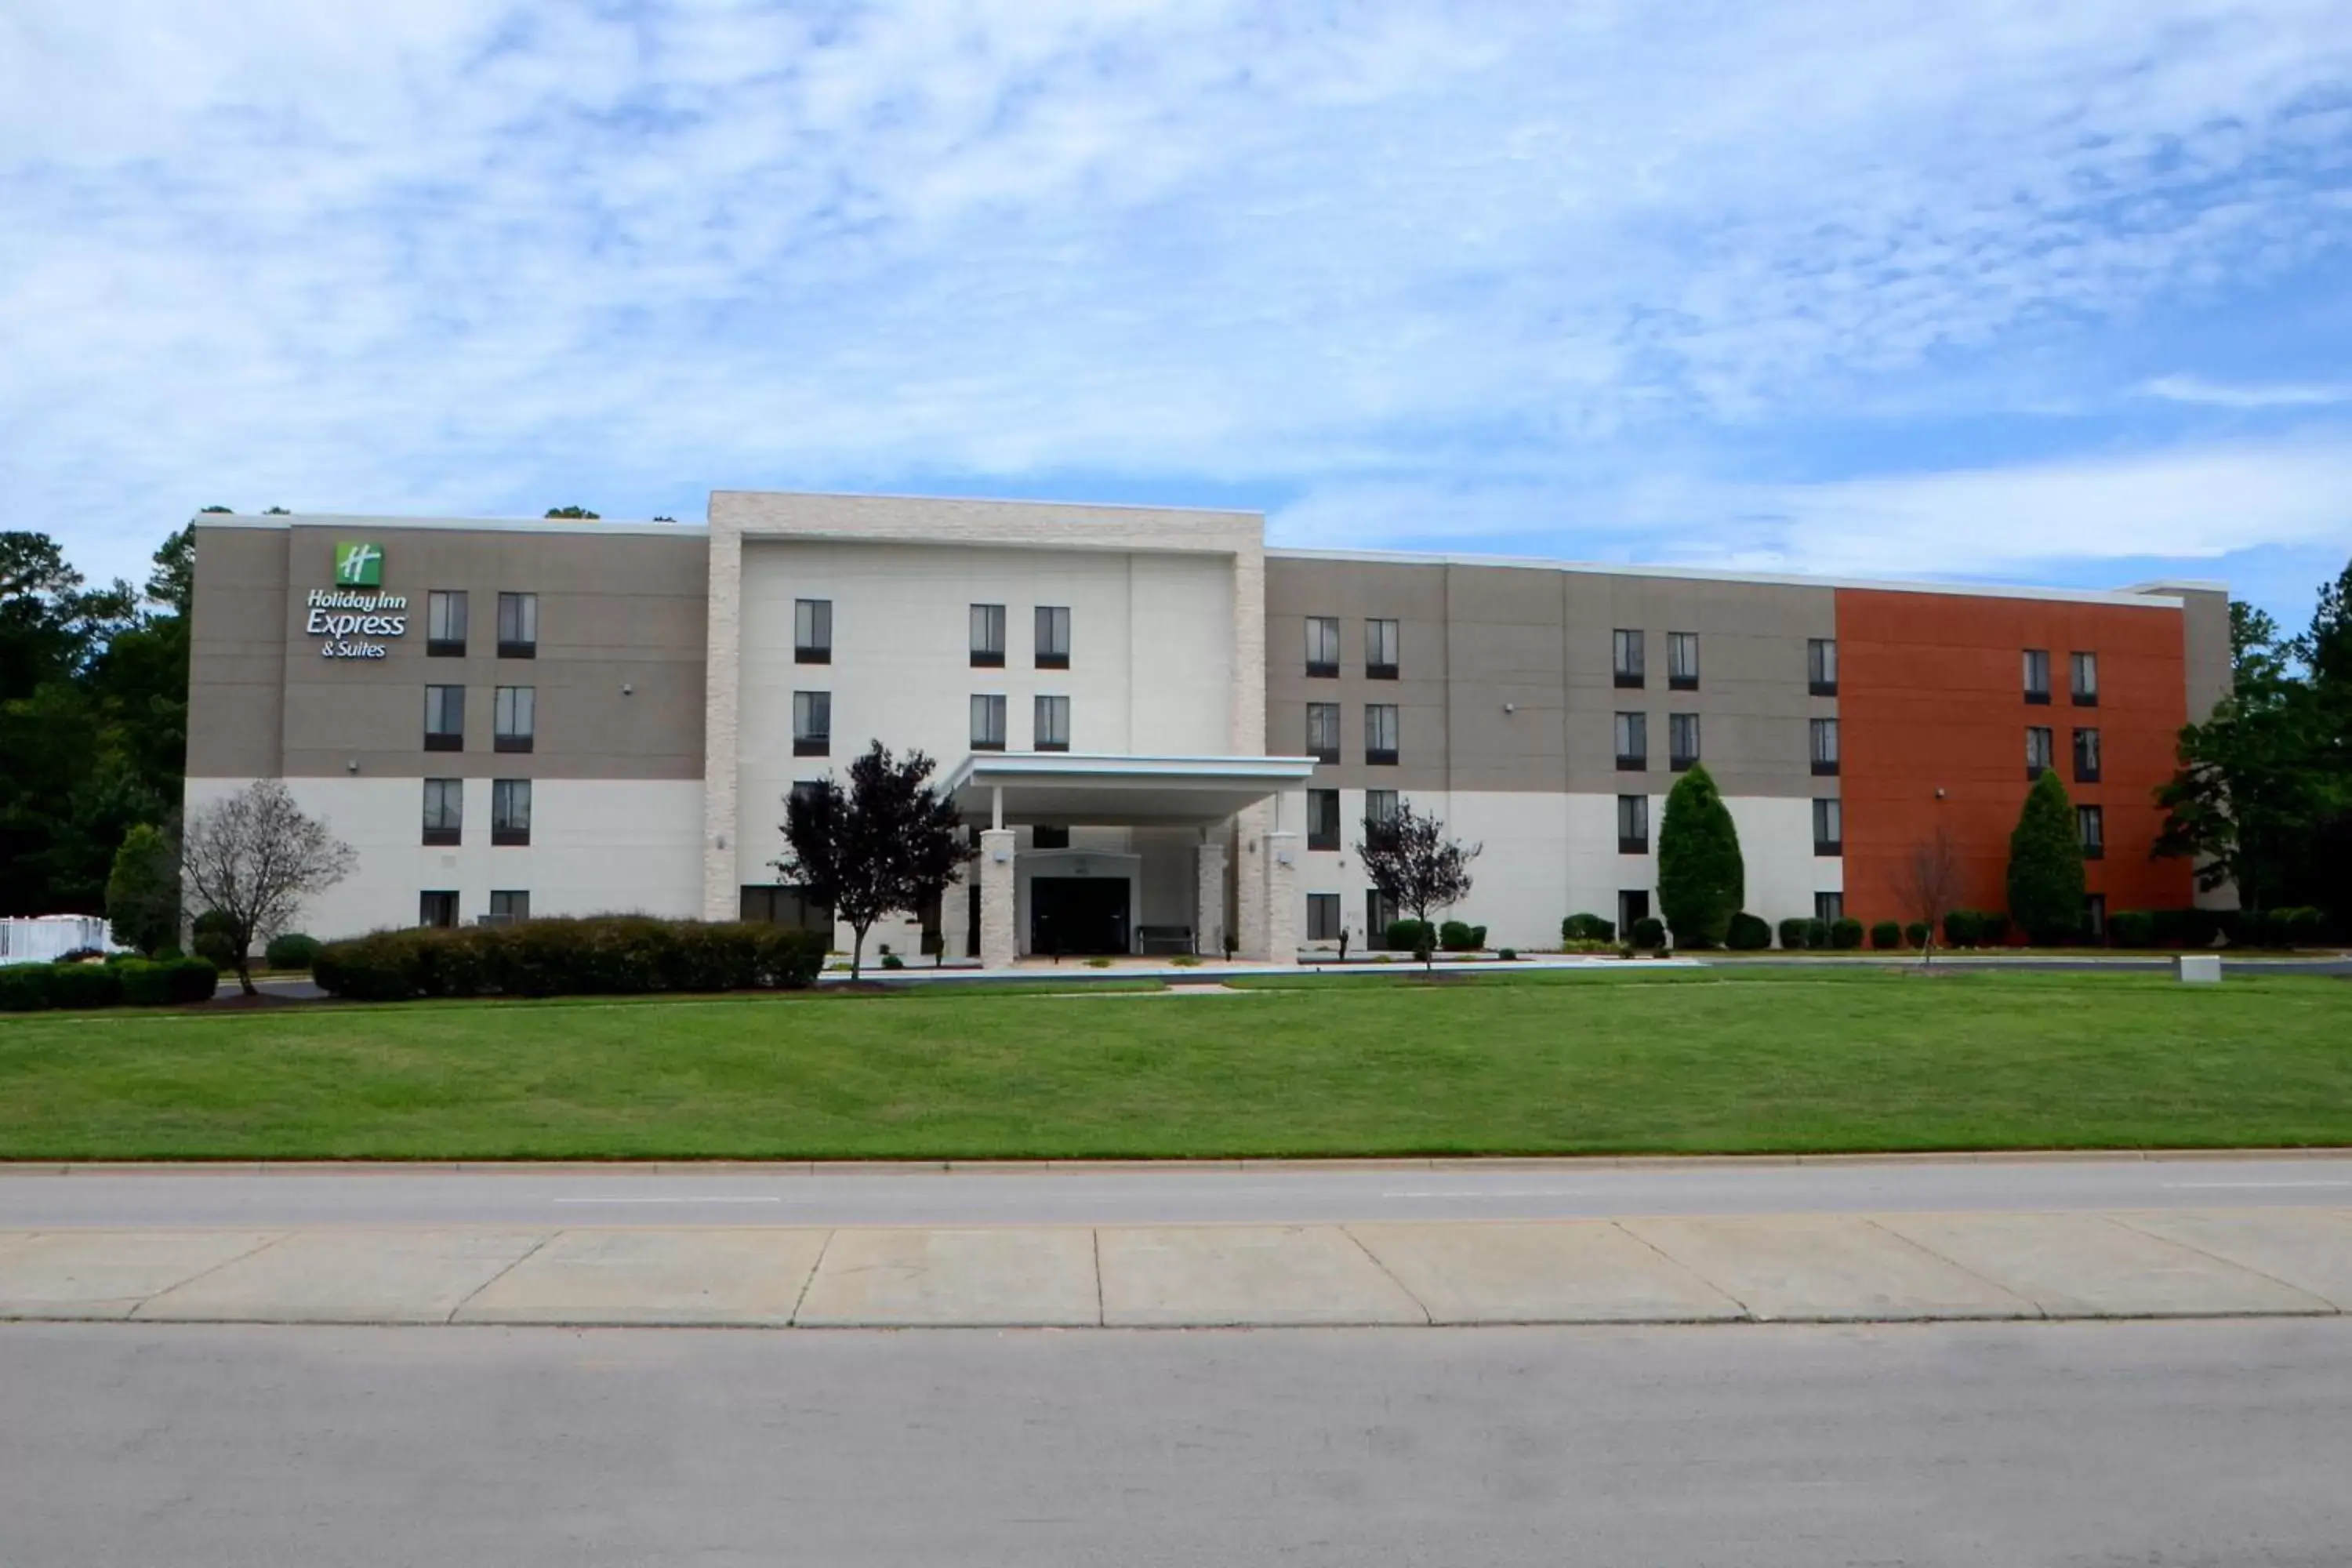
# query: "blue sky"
{"points": [[2007, 292]]}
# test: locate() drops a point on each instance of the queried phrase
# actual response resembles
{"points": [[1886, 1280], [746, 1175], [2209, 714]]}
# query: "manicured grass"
{"points": [[1365, 1064]]}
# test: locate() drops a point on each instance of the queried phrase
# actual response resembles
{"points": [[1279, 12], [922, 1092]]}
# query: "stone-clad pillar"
{"points": [[1209, 900], [999, 941], [1249, 882], [1281, 899]]}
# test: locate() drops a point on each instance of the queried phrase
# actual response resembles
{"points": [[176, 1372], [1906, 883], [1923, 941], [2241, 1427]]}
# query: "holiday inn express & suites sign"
{"points": [[356, 610]]}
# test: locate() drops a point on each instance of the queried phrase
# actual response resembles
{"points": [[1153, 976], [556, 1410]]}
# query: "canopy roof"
{"points": [[1088, 790]]}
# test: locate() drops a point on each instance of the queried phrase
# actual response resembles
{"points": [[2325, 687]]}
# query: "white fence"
{"points": [[44, 937]]}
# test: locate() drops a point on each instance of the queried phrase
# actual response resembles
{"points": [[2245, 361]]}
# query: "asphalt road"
{"points": [[192, 1196], [1938, 1447]]}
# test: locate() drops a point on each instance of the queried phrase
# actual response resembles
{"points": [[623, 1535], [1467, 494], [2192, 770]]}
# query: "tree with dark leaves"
{"points": [[880, 847], [1407, 856]]}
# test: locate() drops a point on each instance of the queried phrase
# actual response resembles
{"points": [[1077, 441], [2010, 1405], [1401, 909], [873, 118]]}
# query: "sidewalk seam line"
{"points": [[2041, 1308], [792, 1318], [205, 1274], [1094, 1239], [1746, 1311], [2119, 1222], [1428, 1318], [528, 1253]]}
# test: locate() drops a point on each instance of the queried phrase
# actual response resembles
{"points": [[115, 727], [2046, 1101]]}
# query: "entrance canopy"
{"points": [[1024, 788]]}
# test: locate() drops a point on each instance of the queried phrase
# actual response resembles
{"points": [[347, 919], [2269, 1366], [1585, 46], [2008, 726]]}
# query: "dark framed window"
{"points": [[1049, 838], [1682, 662], [812, 631], [1053, 724], [445, 623], [444, 718], [2082, 678], [1322, 819], [1625, 657], [1824, 740], [1323, 646], [987, 722], [2091, 827], [2040, 751], [1632, 824], [514, 718], [509, 811], [1323, 732], [1380, 733], [2086, 756], [445, 810], [1829, 908], [1383, 640], [436, 907], [1379, 805], [787, 904], [1681, 740], [988, 637], [2037, 675], [1322, 917], [1829, 826], [510, 906], [518, 626], [811, 723], [1379, 913], [1633, 907], [1632, 743], [1821, 666], [1053, 637]]}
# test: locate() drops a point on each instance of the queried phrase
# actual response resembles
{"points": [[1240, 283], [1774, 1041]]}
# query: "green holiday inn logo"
{"points": [[357, 566]]}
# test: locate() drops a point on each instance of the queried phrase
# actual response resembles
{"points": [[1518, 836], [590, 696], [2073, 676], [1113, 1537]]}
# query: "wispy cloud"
{"points": [[2224, 395]]}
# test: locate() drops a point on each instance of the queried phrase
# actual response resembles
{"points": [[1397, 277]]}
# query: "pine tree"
{"points": [[1702, 881], [2045, 865]]}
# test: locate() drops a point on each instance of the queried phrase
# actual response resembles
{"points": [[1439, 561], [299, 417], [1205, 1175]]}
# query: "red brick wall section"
{"points": [[1931, 697]]}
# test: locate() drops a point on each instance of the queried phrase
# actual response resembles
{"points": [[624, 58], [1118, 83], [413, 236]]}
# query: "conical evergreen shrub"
{"points": [[2045, 865], [1702, 881]]}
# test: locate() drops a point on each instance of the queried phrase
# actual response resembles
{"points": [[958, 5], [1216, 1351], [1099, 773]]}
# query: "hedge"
{"points": [[291, 951], [1963, 928], [1410, 936], [1650, 933], [1458, 936], [1792, 933], [1587, 928], [135, 981], [602, 955], [1916, 934], [1748, 934], [1886, 936], [1845, 933]]}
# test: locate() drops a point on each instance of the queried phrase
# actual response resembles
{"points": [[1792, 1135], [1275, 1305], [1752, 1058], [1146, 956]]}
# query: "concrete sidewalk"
{"points": [[1810, 1268]]}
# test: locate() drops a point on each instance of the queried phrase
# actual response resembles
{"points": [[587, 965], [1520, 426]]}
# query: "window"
{"points": [[436, 909], [1053, 724], [2091, 827], [1681, 740], [1323, 732], [1322, 819], [2086, 756], [2037, 675], [514, 718], [1632, 824], [1829, 827], [987, 722], [509, 907], [2039, 750], [1820, 667], [1681, 660], [1625, 656], [1380, 733], [445, 623], [1379, 913], [1322, 917], [445, 810], [1633, 907], [1825, 747], [811, 723], [1380, 643], [518, 626], [509, 811], [444, 718], [1379, 805], [1632, 743], [988, 637], [2095, 916], [1049, 838], [1053, 637], [2082, 678], [812, 631], [787, 905], [1829, 908], [1323, 645]]}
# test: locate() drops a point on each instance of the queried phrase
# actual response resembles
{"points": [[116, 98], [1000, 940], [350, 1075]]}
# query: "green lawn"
{"points": [[1376, 1064]]}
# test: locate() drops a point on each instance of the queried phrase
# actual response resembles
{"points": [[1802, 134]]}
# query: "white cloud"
{"points": [[2225, 395]]}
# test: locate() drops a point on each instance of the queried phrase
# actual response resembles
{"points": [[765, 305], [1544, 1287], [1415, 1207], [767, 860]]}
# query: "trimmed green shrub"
{"points": [[189, 979], [2045, 865], [2297, 925], [1792, 933], [1992, 930], [1587, 928], [86, 986], [1915, 934], [2132, 928], [1748, 934], [605, 955], [145, 985], [1817, 935], [25, 988], [1648, 933], [1702, 880], [1459, 936], [1845, 933], [1508, 954], [290, 951], [213, 940], [1410, 936], [1963, 928], [1885, 936]]}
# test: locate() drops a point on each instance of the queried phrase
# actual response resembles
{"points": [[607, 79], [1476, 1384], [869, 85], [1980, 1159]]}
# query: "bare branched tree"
{"points": [[251, 859], [1930, 886]]}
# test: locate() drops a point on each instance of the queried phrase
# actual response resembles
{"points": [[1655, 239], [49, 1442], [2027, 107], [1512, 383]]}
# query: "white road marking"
{"points": [[667, 1200], [2189, 1187]]}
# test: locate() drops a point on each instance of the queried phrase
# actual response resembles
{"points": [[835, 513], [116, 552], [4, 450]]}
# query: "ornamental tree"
{"points": [[250, 859], [1414, 864], [1702, 880], [2045, 865], [880, 847]]}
